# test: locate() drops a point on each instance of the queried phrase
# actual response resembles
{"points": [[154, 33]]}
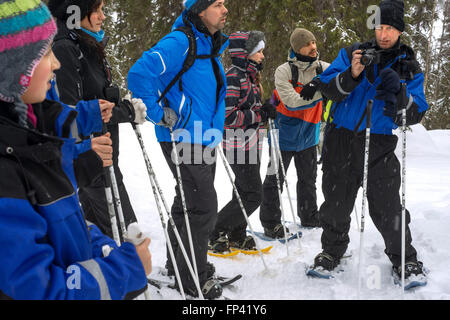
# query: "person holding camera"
{"points": [[374, 70], [86, 75], [299, 106]]}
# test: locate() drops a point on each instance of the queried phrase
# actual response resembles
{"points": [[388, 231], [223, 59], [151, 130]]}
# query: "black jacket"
{"points": [[84, 76]]}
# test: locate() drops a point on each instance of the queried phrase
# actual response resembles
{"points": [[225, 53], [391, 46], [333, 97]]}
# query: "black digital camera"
{"points": [[370, 56]]}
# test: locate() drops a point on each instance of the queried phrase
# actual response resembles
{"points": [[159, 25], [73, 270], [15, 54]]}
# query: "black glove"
{"points": [[388, 90], [309, 89], [269, 109]]}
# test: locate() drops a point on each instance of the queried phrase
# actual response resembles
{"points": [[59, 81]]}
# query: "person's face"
{"points": [[310, 50], [94, 22], [40, 80], [386, 36], [257, 57], [215, 16]]}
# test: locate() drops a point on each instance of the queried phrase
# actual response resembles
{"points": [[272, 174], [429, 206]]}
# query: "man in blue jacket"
{"points": [[194, 108], [351, 84]]}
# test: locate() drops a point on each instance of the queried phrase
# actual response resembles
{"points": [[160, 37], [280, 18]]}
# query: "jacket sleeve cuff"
{"points": [[345, 82]]}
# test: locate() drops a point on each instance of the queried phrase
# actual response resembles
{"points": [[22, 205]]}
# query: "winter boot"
{"points": [[276, 232], [219, 244], [248, 243], [325, 261], [211, 289], [415, 274], [324, 265]]}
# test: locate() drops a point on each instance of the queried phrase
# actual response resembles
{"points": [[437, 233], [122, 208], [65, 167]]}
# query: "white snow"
{"points": [[427, 199]]}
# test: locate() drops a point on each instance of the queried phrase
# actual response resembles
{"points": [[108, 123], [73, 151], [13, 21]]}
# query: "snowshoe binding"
{"points": [[415, 275], [220, 247]]}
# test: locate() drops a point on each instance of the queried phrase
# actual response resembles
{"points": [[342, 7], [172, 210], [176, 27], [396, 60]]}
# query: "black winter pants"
{"points": [[343, 163], [95, 206], [201, 202], [231, 219], [306, 165]]}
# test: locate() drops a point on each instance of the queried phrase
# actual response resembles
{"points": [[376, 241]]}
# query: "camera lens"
{"points": [[366, 60]]}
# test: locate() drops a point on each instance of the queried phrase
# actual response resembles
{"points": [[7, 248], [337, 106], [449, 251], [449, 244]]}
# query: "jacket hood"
{"points": [[237, 49]]}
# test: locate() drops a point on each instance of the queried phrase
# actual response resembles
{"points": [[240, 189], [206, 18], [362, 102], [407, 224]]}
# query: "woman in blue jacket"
{"points": [[46, 249]]}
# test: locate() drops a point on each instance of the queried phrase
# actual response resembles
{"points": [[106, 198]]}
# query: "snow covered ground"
{"points": [[428, 200]]}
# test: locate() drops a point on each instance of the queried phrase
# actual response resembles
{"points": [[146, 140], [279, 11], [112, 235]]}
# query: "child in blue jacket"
{"points": [[46, 249]]}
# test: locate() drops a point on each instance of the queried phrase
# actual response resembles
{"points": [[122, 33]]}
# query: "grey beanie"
{"points": [[254, 39], [300, 38]]}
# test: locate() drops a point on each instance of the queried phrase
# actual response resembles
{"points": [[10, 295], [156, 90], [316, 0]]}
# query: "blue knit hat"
{"points": [[197, 6]]}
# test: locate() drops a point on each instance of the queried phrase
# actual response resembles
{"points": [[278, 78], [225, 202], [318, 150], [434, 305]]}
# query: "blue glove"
{"points": [[388, 90]]}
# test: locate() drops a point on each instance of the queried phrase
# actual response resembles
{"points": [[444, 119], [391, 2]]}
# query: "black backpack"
{"points": [[294, 71], [188, 62]]}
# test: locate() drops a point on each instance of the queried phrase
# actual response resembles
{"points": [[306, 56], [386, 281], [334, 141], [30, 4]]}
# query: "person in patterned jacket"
{"points": [[245, 116]]}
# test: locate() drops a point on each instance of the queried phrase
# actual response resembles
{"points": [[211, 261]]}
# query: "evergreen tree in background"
{"points": [[135, 25]]}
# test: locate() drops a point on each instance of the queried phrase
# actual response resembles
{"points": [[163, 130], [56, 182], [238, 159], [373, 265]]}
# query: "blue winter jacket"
{"points": [[198, 107], [89, 118], [352, 95], [46, 249]]}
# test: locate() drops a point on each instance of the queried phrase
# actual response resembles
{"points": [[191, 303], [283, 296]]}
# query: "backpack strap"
{"points": [[319, 69], [188, 62], [294, 71]]}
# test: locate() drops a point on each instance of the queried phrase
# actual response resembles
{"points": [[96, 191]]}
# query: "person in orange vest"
{"points": [[299, 111]]}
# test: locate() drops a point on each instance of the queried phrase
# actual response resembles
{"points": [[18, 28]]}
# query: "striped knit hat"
{"points": [[26, 31]]}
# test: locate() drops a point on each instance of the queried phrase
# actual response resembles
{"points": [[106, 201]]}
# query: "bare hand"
{"points": [[106, 109], [357, 67], [102, 146], [145, 255]]}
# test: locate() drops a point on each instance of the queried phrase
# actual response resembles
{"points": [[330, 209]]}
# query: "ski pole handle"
{"points": [[369, 113], [134, 234]]}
